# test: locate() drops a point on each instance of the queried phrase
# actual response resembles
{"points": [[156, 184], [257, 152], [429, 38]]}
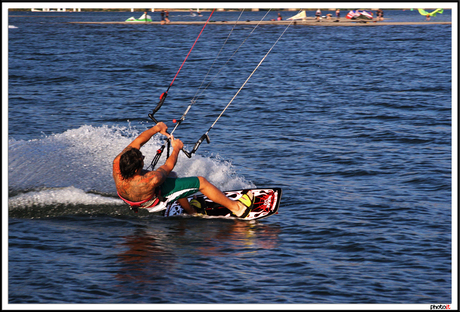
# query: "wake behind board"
{"points": [[266, 203]]}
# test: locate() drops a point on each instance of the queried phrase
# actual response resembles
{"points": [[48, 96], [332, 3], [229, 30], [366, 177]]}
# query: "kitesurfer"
{"points": [[162, 14], [167, 16], [145, 189], [318, 15], [379, 15]]}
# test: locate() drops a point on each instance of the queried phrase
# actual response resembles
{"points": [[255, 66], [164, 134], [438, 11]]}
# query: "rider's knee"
{"points": [[202, 180]]}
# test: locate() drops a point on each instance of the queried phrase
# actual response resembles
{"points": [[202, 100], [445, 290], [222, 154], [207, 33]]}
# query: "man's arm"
{"points": [[145, 136], [169, 164], [157, 177]]}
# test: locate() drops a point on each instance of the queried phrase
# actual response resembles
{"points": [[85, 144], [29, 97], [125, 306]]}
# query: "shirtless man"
{"points": [[145, 189]]}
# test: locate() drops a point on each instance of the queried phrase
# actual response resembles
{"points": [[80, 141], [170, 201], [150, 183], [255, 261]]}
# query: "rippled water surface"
{"points": [[353, 123]]}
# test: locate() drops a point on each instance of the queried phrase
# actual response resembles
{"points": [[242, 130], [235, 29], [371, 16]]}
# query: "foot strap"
{"points": [[246, 200]]}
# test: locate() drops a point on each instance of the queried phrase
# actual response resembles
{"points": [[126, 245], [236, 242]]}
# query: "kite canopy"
{"points": [[425, 13], [301, 16], [359, 14]]}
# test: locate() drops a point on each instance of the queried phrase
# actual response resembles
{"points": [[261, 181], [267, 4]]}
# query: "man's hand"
{"points": [[171, 161], [147, 134], [162, 128], [176, 144]]}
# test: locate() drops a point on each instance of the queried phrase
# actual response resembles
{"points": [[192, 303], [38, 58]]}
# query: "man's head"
{"points": [[130, 162]]}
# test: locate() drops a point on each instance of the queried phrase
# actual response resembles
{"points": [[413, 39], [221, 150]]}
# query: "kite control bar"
{"points": [[162, 100], [198, 143], [160, 151], [151, 115], [177, 122]]}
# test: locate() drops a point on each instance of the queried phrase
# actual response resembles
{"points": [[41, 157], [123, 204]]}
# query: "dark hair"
{"points": [[130, 162]]}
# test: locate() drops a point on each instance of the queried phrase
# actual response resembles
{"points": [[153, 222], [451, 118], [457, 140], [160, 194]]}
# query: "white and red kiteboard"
{"points": [[266, 203]]}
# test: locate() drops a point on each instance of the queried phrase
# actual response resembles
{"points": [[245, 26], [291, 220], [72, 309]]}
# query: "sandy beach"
{"points": [[307, 22]]}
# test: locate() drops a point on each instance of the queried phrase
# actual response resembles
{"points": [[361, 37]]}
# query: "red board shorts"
{"points": [[171, 190]]}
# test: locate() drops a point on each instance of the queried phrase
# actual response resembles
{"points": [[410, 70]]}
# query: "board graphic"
{"points": [[266, 203]]}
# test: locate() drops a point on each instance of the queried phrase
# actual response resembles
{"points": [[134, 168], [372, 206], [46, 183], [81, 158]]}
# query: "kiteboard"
{"points": [[266, 203]]}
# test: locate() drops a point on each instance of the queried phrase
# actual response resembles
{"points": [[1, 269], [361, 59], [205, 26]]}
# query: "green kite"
{"points": [[425, 13]]}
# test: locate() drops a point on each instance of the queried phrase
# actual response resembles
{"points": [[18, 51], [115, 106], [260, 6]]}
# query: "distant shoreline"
{"points": [[201, 10], [295, 23]]}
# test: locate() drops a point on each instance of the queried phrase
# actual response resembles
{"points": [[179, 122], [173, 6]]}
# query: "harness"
{"points": [[146, 203]]}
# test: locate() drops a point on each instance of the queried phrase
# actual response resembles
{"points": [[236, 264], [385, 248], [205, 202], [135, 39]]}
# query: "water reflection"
{"points": [[217, 238], [143, 261], [149, 255]]}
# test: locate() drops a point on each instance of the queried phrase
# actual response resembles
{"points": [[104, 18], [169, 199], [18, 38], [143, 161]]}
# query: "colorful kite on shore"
{"points": [[425, 13], [359, 14]]}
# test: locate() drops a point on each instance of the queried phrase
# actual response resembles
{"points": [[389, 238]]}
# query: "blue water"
{"points": [[353, 123]]}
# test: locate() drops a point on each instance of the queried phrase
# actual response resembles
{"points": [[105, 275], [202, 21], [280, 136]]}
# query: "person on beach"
{"points": [[167, 16], [337, 15], [162, 14], [318, 15], [379, 15], [141, 188], [279, 17]]}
